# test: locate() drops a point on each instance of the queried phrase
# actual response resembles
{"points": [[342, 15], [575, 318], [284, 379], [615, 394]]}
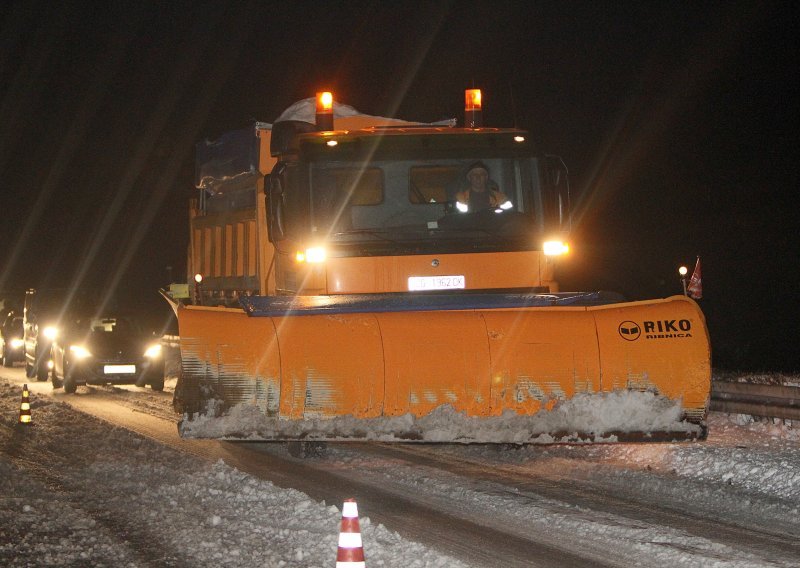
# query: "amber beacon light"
{"points": [[473, 111], [324, 110]]}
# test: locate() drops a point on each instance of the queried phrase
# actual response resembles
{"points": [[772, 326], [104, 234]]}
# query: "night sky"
{"points": [[677, 121]]}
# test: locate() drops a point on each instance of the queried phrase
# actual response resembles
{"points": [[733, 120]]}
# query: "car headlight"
{"points": [[16, 343], [153, 352], [50, 332], [79, 352]]}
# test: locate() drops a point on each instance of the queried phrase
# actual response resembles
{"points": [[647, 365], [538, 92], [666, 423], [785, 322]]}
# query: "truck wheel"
{"points": [[70, 386], [157, 385], [29, 372], [7, 362], [42, 372]]}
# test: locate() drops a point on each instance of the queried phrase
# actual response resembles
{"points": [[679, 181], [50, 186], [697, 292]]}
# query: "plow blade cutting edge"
{"points": [[491, 368]]}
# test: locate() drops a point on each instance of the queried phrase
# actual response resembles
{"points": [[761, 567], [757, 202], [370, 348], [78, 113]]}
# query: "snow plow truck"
{"points": [[362, 277]]}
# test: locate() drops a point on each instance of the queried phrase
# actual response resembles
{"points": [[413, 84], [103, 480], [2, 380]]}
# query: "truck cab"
{"points": [[372, 205], [383, 210]]}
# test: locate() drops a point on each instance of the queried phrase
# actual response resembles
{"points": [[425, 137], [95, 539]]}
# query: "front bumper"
{"points": [[13, 354], [117, 372]]}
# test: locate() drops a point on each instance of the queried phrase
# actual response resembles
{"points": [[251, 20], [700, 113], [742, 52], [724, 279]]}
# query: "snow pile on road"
{"points": [[747, 473], [750, 460], [761, 457], [598, 416], [77, 491]]}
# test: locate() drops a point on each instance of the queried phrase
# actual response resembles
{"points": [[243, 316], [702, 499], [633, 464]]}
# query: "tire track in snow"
{"points": [[774, 545], [19, 445], [475, 543]]}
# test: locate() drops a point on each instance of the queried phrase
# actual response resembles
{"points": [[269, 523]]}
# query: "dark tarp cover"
{"points": [[233, 154]]}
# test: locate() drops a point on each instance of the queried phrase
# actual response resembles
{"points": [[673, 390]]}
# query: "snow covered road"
{"points": [[76, 491]]}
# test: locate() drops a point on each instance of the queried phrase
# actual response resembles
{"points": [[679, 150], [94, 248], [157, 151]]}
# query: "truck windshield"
{"points": [[465, 199]]}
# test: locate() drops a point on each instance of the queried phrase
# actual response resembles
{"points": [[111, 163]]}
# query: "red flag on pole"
{"points": [[695, 287]]}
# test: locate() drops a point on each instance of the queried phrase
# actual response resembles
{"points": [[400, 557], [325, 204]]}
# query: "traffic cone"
{"points": [[25, 406], [351, 550]]}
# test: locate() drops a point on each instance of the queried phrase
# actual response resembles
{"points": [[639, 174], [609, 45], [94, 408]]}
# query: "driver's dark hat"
{"points": [[477, 166]]}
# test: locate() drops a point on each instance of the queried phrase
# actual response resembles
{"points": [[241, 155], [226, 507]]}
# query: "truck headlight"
{"points": [[312, 255], [153, 352], [16, 343], [555, 248]]}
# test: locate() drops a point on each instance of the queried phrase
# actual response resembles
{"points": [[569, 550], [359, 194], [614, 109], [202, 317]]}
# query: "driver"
{"points": [[481, 193]]}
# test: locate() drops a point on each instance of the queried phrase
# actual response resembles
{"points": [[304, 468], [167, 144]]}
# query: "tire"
{"points": [[29, 372], [57, 383], [42, 373], [70, 386], [157, 385], [7, 362]]}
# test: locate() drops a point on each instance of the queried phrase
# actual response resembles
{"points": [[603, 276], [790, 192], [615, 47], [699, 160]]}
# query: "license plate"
{"points": [[119, 369], [418, 283]]}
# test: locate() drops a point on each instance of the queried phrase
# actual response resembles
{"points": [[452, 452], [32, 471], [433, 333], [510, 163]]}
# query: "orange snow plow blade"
{"points": [[310, 368]]}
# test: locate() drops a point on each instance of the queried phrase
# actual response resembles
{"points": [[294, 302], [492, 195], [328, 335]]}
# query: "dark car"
{"points": [[11, 342], [46, 312], [106, 350]]}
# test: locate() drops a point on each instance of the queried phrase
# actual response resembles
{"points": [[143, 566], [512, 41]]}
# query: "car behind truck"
{"points": [[73, 340]]}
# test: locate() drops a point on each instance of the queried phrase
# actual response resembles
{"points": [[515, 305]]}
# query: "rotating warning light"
{"points": [[325, 101], [324, 111], [473, 113], [472, 99]]}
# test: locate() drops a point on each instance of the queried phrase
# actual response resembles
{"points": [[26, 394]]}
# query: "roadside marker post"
{"points": [[25, 407]]}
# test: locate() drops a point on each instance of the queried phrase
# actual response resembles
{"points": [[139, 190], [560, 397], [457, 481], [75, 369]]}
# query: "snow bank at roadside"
{"points": [[77, 491], [764, 459], [762, 378], [599, 415]]}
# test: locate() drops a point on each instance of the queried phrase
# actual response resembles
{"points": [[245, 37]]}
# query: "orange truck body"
{"points": [[350, 336]]}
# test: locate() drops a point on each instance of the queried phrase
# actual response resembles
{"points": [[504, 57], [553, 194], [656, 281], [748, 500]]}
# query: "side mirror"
{"points": [[276, 226], [557, 194]]}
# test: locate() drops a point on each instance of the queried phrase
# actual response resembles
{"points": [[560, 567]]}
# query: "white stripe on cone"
{"points": [[350, 509], [350, 540]]}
